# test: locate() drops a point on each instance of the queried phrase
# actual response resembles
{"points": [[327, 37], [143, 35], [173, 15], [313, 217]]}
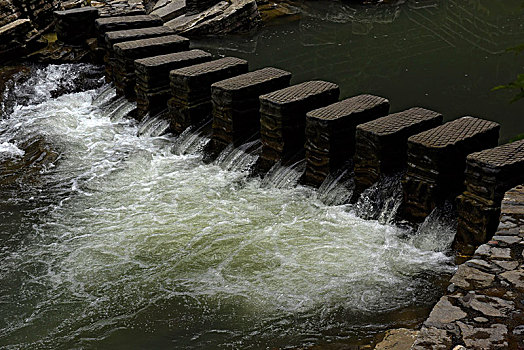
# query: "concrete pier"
{"points": [[437, 160], [489, 174], [283, 119], [75, 26], [111, 24], [152, 78], [236, 104], [127, 52], [191, 90], [381, 144], [330, 133], [112, 38]]}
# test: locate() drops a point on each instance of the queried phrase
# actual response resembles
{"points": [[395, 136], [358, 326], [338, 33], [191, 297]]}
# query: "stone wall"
{"points": [[485, 305]]}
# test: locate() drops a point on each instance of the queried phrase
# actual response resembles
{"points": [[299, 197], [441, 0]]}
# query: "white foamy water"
{"points": [[150, 247]]}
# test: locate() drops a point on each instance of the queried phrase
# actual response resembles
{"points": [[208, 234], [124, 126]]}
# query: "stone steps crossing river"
{"points": [[457, 161]]}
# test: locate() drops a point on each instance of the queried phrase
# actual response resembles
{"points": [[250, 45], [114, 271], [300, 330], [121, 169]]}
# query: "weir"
{"points": [[307, 117]]}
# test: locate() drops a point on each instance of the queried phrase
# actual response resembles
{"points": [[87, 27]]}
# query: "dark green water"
{"points": [[440, 54]]}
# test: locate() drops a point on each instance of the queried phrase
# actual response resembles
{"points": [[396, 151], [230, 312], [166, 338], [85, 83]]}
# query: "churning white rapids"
{"points": [[124, 242]]}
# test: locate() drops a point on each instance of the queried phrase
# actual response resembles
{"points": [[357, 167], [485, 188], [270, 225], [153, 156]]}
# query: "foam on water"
{"points": [[150, 247]]}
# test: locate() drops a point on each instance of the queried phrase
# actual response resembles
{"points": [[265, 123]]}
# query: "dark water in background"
{"points": [[440, 54]]}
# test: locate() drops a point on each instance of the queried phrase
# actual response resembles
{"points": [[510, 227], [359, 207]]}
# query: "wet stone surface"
{"points": [[381, 144], [152, 78], [330, 133], [191, 90], [484, 309], [111, 24], [236, 104], [488, 175], [283, 118], [76, 25], [436, 163], [127, 52]]}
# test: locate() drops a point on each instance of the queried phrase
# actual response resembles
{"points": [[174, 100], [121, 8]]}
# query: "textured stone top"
{"points": [[209, 67], [396, 122], [298, 92], [505, 155], [144, 43], [116, 23], [250, 79], [352, 105], [136, 34], [158, 61], [453, 132], [90, 11]]}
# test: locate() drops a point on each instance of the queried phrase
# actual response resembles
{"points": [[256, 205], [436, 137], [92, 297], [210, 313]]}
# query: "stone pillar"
{"points": [[236, 105], [191, 90], [152, 78], [489, 174], [381, 144], [112, 38], [283, 119], [75, 26], [437, 160], [111, 24], [127, 52], [330, 133]]}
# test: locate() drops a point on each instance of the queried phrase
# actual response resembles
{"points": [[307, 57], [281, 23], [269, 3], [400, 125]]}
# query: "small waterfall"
{"points": [[280, 176], [241, 158], [192, 140], [118, 109], [437, 231], [381, 201], [337, 188], [153, 126], [105, 95]]}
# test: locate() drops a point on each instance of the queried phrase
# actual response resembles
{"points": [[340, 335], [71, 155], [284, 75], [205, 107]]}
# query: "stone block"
{"points": [[170, 10], [381, 144], [236, 104], [152, 78], [489, 174], [283, 118], [437, 160], [76, 25], [111, 24], [127, 52], [191, 90], [330, 133]]}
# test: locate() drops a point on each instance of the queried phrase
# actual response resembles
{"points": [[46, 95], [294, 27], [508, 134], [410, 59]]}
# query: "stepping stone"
{"points": [[283, 119], [489, 175], [236, 104], [191, 89], [437, 160], [152, 78], [112, 38], [381, 144], [111, 24], [330, 133], [127, 52], [76, 25], [170, 10]]}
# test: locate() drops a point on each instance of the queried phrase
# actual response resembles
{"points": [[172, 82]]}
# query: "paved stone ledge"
{"points": [[488, 175], [437, 160], [330, 133], [191, 90], [485, 305], [381, 144], [236, 104], [283, 118]]}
